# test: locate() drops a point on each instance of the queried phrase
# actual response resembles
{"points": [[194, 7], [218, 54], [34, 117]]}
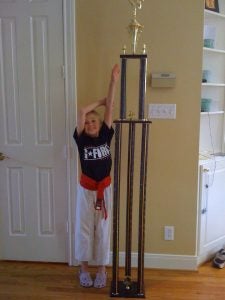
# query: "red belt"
{"points": [[99, 186]]}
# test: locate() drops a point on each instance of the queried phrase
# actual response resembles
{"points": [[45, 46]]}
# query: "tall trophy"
{"points": [[127, 287]]}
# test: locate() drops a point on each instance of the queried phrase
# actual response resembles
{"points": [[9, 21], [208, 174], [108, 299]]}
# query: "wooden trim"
{"points": [[70, 93]]}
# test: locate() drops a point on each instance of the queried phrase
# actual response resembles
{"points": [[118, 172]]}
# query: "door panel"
{"points": [[33, 200]]}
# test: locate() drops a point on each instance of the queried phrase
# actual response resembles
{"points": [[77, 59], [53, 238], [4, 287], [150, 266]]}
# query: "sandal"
{"points": [[100, 280], [85, 279]]}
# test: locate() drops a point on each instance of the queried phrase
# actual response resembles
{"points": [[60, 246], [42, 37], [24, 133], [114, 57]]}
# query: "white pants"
{"points": [[92, 231]]}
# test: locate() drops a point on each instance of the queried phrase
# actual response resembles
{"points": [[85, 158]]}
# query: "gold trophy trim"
{"points": [[135, 28]]}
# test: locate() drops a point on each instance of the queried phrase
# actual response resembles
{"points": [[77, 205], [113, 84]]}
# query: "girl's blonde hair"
{"points": [[94, 112]]}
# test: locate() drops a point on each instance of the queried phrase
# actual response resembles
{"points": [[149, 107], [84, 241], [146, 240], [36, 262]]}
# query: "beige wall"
{"points": [[173, 34]]}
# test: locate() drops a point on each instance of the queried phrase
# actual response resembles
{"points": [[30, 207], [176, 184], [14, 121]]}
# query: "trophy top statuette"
{"points": [[135, 28], [136, 4]]}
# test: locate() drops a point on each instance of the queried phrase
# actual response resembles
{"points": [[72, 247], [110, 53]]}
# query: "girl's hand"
{"points": [[115, 73], [102, 102]]}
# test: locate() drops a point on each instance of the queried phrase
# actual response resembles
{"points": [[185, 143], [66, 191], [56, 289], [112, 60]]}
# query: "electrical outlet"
{"points": [[169, 233]]}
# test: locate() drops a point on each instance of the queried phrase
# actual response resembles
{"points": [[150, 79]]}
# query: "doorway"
{"points": [[36, 119]]}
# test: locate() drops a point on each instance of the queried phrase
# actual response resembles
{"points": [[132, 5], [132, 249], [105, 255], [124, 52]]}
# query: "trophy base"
{"points": [[127, 292]]}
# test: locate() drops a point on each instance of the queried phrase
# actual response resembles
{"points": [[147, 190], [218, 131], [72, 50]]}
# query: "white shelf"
{"points": [[219, 112], [212, 84], [214, 60], [215, 14], [214, 50]]}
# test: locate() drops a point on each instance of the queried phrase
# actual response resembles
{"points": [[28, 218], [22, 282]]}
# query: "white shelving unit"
{"points": [[212, 127], [213, 84], [211, 221], [211, 208], [218, 112]]}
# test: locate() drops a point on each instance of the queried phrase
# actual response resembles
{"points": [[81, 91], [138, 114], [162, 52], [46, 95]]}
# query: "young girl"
{"points": [[94, 197]]}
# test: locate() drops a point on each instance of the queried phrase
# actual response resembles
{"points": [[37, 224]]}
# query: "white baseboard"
{"points": [[162, 261]]}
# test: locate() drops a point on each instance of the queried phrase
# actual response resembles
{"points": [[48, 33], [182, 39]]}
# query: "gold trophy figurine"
{"points": [[134, 27]]}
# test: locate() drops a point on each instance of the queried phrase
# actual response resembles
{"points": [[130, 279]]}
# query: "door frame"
{"points": [[71, 109]]}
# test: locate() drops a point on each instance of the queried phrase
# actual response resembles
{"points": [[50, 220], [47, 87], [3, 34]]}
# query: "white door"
{"points": [[212, 208], [33, 205]]}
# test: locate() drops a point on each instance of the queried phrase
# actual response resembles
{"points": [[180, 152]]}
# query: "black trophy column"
{"points": [[128, 287]]}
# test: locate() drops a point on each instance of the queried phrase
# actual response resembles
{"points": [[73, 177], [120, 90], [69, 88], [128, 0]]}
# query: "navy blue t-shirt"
{"points": [[94, 152]]}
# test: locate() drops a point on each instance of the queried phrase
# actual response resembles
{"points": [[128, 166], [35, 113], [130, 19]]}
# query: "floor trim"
{"points": [[162, 261]]}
